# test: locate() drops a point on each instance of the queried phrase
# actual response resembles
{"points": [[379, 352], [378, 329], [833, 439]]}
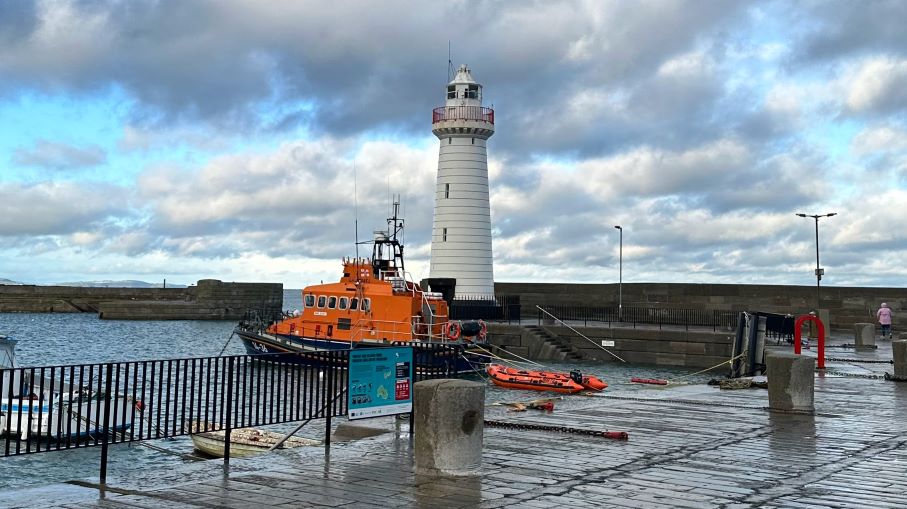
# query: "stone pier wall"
{"points": [[847, 305], [697, 349], [210, 299]]}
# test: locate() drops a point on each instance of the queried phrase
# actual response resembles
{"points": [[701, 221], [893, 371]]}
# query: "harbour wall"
{"points": [[846, 305], [209, 299], [693, 348]]}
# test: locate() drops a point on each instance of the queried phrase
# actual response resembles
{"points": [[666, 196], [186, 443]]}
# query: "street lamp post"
{"points": [[620, 284], [819, 271]]}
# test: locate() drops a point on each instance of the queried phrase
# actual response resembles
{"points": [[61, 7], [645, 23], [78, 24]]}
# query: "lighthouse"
{"points": [[461, 229]]}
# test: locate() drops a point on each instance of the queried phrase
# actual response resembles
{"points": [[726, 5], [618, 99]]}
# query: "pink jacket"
{"points": [[884, 315]]}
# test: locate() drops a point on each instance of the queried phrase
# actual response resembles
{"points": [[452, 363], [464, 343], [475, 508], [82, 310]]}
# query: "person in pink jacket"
{"points": [[884, 316]]}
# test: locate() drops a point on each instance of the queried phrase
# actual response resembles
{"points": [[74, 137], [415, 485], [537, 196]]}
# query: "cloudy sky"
{"points": [[185, 139]]}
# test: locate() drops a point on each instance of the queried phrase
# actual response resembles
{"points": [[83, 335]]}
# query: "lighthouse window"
{"points": [[332, 302], [444, 235], [473, 141], [354, 304], [447, 190], [451, 92], [309, 300], [322, 300], [344, 303], [450, 141]]}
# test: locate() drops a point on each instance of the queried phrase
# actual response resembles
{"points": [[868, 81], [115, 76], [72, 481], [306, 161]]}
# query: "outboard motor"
{"points": [[576, 376]]}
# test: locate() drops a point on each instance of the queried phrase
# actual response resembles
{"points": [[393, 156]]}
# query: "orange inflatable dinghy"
{"points": [[586, 381]]}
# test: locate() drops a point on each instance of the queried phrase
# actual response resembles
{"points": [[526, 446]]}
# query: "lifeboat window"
{"points": [[322, 300], [366, 304], [344, 303], [332, 302], [354, 304], [309, 301]]}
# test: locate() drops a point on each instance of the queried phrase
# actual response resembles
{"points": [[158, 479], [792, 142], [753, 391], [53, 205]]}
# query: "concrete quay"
{"points": [[690, 446]]}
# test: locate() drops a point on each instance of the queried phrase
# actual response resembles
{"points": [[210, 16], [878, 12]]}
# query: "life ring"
{"points": [[453, 331], [483, 329]]}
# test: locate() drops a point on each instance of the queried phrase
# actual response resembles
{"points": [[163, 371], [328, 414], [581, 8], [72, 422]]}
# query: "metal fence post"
{"points": [[106, 428], [332, 368], [229, 411]]}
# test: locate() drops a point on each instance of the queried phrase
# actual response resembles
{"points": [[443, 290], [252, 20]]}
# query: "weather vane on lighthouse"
{"points": [[461, 231]]}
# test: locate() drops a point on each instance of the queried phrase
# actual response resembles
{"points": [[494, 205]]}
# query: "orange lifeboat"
{"points": [[585, 381], [531, 380]]}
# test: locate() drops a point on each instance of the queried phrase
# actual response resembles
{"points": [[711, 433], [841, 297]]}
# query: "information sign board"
{"points": [[380, 381]]}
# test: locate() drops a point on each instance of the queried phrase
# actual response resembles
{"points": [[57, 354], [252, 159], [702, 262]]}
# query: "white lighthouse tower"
{"points": [[461, 232]]}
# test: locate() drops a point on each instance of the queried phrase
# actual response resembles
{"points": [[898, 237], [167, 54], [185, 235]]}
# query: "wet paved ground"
{"points": [[690, 446]]}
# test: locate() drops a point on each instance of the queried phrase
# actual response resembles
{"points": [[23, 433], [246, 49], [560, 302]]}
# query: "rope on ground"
{"points": [[615, 435], [732, 359], [580, 333]]}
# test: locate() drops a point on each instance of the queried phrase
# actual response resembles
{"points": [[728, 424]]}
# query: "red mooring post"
{"points": [[798, 333]]}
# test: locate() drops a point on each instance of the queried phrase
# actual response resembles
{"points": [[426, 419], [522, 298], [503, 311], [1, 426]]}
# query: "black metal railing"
{"points": [[52, 408], [504, 308], [686, 318]]}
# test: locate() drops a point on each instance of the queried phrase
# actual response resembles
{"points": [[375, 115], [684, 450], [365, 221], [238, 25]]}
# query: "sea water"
{"points": [[46, 339]]}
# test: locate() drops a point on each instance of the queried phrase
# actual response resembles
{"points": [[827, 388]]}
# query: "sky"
{"points": [[244, 140]]}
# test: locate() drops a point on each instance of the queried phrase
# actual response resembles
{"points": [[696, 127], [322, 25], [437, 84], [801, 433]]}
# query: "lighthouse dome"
{"points": [[463, 89]]}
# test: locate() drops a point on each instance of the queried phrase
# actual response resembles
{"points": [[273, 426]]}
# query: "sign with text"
{"points": [[380, 382]]}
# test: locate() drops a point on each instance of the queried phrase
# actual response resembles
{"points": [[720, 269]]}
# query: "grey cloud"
{"points": [[17, 19], [60, 208], [354, 62], [54, 155], [847, 27]]}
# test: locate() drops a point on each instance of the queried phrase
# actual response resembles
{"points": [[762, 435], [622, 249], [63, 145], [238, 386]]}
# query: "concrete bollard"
{"points": [[448, 418], [864, 334], [791, 382], [899, 354]]}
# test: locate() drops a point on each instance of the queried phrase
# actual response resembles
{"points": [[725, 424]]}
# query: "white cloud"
{"points": [[877, 84]]}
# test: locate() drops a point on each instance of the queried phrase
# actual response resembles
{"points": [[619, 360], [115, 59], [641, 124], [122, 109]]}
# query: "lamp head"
{"points": [[802, 215], [618, 227], [831, 214]]}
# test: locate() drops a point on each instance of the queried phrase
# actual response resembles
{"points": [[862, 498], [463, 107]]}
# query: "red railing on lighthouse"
{"points": [[477, 113]]}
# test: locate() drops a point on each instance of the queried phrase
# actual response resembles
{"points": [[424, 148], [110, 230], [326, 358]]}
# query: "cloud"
{"points": [[54, 155], [877, 85], [58, 208]]}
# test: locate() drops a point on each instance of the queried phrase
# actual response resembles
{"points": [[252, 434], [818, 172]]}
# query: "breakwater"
{"points": [[682, 348], [846, 304], [209, 299]]}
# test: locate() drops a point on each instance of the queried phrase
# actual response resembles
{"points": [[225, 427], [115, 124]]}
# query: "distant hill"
{"points": [[4, 281], [126, 283]]}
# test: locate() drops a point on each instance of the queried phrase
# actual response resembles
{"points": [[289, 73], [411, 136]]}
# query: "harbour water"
{"points": [[54, 339]]}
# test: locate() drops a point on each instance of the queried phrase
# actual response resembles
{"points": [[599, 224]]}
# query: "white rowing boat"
{"points": [[243, 442]]}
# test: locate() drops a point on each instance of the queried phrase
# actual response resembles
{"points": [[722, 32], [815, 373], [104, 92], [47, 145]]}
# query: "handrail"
{"points": [[447, 113], [581, 334]]}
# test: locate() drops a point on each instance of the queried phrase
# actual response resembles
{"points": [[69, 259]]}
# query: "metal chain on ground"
{"points": [[854, 375], [616, 435], [860, 361]]}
